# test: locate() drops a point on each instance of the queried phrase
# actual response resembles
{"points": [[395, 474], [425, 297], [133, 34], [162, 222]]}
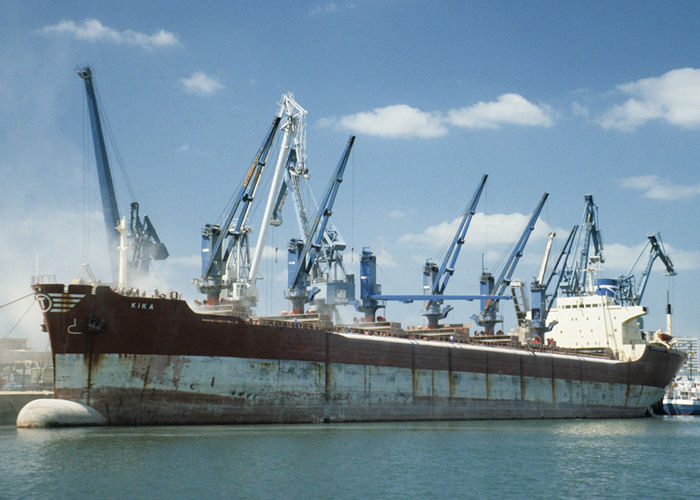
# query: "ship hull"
{"points": [[154, 361]]}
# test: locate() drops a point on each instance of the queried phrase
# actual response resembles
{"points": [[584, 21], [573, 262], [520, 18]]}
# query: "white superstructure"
{"points": [[595, 322]]}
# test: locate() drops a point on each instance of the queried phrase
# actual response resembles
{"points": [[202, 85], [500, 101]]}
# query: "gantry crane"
{"points": [[131, 247]]}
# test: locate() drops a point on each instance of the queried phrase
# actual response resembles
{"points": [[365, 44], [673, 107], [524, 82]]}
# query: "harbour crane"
{"points": [[576, 279], [372, 298], [542, 294], [295, 166], [631, 294], [131, 247], [303, 253], [488, 316], [336, 286], [435, 278], [225, 252]]}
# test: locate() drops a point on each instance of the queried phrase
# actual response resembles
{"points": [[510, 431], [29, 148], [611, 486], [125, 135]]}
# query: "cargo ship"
{"points": [[153, 360], [130, 358]]}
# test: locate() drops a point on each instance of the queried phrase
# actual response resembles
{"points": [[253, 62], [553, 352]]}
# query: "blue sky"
{"points": [[570, 98]]}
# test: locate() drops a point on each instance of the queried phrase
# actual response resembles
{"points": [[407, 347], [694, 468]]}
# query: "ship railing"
{"points": [[320, 324], [506, 343], [154, 294], [43, 279], [325, 325]]}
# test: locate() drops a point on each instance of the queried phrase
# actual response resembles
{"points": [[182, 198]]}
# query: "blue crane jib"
{"points": [[576, 277], [490, 286], [226, 241], [625, 288], [144, 243], [372, 299], [435, 278], [302, 255], [335, 286], [110, 211]]}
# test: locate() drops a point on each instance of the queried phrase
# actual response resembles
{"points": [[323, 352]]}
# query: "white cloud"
{"points": [[397, 214], [94, 31], [620, 257], [673, 97], [330, 8], [385, 259], [402, 120], [435, 235], [579, 110], [657, 188], [399, 120], [186, 148], [508, 109], [201, 84], [494, 229], [324, 9]]}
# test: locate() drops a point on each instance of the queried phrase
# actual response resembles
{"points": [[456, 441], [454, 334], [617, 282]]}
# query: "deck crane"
{"points": [[575, 279], [328, 274], [435, 278], [303, 253], [225, 251], [130, 248], [490, 286], [631, 294], [541, 299]]}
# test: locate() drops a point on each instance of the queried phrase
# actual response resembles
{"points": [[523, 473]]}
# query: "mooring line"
{"points": [[17, 300], [19, 320]]}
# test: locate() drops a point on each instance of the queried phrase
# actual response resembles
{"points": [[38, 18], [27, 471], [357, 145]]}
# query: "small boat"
{"points": [[683, 397]]}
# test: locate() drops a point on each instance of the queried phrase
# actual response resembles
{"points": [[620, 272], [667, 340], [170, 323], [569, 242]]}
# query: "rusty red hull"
{"points": [[155, 361]]}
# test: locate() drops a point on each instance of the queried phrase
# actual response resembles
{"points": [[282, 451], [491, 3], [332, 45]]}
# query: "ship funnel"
{"points": [[608, 288]]}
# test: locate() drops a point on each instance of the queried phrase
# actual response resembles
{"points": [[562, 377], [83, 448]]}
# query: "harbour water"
{"points": [[650, 457]]}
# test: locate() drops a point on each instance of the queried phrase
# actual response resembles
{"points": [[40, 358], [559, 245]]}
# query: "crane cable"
{"points": [[117, 154], [86, 186], [352, 209]]}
